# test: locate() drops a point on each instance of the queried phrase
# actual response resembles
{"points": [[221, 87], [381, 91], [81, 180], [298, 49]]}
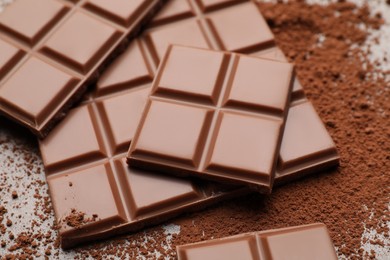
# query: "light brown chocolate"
{"points": [[88, 175], [214, 115], [68, 44], [116, 106], [305, 242]]}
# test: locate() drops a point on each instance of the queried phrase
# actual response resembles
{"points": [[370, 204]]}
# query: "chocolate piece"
{"points": [[172, 11], [87, 150], [116, 106], [185, 22], [51, 51], [302, 242], [214, 115], [231, 28], [306, 147]]}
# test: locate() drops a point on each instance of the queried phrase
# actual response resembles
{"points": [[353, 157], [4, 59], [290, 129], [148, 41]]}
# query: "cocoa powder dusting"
{"points": [[328, 44], [76, 219]]}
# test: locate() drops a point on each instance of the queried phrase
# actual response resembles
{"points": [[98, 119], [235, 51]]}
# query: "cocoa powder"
{"points": [[350, 93]]}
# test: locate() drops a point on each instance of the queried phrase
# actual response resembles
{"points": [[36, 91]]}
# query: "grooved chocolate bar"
{"points": [[51, 50], [214, 115], [302, 242], [90, 182], [89, 179], [96, 135], [198, 23]]}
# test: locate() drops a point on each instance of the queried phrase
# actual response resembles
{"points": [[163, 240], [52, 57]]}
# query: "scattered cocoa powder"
{"points": [[351, 95], [22, 231], [77, 219]]}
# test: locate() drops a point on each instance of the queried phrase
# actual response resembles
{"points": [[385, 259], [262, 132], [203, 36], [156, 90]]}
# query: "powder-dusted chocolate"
{"points": [[302, 242], [50, 51], [214, 115]]}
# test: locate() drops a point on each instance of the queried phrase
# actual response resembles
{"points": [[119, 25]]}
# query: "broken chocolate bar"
{"points": [[214, 115], [50, 51]]}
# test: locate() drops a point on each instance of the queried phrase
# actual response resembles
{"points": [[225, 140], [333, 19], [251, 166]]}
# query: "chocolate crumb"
{"points": [[14, 195], [77, 219], [3, 210]]}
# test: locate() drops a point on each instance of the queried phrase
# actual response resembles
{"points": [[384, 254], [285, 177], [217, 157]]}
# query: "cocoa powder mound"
{"points": [[352, 97]]}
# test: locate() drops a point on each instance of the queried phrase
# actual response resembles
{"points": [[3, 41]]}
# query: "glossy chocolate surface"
{"points": [[302, 242], [51, 50], [214, 115], [87, 172], [306, 147], [116, 106]]}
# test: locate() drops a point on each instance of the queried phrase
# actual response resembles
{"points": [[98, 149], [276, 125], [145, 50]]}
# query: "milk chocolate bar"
{"points": [[214, 115], [302, 242], [110, 114], [94, 193], [51, 50]]}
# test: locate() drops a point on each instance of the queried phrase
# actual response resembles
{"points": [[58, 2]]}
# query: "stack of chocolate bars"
{"points": [[202, 93]]}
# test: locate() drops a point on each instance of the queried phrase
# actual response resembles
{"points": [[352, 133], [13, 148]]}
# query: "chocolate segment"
{"points": [[172, 11], [70, 43], [214, 115], [10, 55], [301, 242], [32, 77], [29, 21], [306, 147], [110, 113], [256, 35], [129, 69]]}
